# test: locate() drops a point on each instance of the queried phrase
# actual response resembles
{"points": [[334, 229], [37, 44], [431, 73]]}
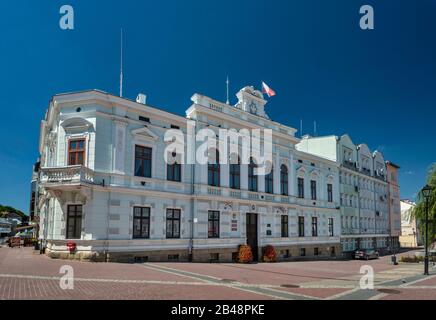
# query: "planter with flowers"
{"points": [[269, 254], [245, 255]]}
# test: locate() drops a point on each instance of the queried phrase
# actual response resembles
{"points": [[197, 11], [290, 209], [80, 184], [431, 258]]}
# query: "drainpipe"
{"points": [[191, 239]]}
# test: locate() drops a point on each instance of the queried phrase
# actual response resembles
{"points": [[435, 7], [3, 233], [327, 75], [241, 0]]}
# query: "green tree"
{"points": [[419, 212]]}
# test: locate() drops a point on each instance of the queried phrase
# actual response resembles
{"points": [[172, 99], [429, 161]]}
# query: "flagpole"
{"points": [[227, 86]]}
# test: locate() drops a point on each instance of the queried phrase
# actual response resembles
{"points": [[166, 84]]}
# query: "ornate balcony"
{"points": [[67, 175]]}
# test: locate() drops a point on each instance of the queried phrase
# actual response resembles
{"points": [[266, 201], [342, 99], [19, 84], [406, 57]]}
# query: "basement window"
{"points": [[173, 257], [214, 257]]}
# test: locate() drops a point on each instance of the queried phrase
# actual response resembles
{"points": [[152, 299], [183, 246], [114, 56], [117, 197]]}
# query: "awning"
{"points": [[25, 228]]}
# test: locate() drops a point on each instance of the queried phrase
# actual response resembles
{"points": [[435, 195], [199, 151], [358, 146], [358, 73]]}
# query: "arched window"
{"points": [[269, 181], [235, 175], [284, 180], [252, 178], [174, 170], [214, 170]]}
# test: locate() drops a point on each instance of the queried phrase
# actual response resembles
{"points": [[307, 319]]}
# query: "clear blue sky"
{"points": [[378, 86]]}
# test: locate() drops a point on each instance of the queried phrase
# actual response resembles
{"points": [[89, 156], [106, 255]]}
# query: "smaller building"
{"points": [[410, 235], [5, 227]]}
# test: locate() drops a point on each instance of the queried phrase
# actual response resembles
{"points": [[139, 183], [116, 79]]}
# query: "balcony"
{"points": [[366, 171], [67, 175], [350, 165]]}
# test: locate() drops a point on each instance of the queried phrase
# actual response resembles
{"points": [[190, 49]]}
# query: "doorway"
{"points": [[251, 225]]}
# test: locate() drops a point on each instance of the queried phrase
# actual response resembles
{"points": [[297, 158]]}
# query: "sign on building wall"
{"points": [[234, 224]]}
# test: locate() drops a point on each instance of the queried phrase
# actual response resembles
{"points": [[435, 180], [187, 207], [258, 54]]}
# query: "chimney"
{"points": [[142, 98]]}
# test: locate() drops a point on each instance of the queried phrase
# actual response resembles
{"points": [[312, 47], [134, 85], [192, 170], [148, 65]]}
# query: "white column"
{"points": [[292, 179]]}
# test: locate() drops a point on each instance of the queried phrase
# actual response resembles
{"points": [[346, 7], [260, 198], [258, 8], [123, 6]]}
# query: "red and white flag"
{"points": [[265, 89]]}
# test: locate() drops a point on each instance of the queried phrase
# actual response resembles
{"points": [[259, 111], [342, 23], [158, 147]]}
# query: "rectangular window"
{"points": [[76, 152], [74, 222], [141, 223], [144, 119], [302, 252], [285, 227], [173, 223], [174, 172], [313, 189], [143, 161], [329, 192], [316, 251], [235, 176], [331, 228], [300, 188], [269, 182], [175, 127], [314, 227], [214, 224], [301, 226]]}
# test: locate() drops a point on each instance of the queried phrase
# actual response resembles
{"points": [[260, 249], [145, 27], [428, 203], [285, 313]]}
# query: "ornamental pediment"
{"points": [[144, 134]]}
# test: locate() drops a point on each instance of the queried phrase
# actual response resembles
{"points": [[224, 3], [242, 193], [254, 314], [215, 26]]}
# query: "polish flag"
{"points": [[265, 89]]}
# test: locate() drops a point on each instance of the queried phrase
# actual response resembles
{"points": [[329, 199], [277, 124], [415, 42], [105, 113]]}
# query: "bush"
{"points": [[269, 254], [245, 255], [415, 259]]}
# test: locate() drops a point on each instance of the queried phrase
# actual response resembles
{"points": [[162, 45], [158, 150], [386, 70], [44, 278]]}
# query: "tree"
{"points": [[419, 211]]}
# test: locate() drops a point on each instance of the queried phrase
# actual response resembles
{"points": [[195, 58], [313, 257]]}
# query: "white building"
{"points": [[364, 195], [410, 235], [104, 184]]}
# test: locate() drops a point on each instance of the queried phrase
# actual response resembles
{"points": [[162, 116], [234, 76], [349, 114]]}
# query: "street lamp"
{"points": [[426, 192]]}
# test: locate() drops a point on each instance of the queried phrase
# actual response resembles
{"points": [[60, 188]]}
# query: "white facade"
{"points": [[106, 190], [364, 191]]}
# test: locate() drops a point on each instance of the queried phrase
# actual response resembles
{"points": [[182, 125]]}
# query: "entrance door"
{"points": [[251, 225]]}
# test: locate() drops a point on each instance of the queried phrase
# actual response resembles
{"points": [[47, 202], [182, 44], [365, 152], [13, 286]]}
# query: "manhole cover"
{"points": [[228, 280], [289, 286], [389, 291]]}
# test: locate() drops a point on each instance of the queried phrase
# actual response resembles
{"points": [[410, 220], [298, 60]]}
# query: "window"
{"points": [[313, 189], [214, 170], [252, 178], [284, 180], [144, 119], [301, 226], [76, 152], [235, 175], [74, 222], [316, 251], [141, 223], [285, 227], [314, 227], [329, 192], [143, 161], [331, 229], [302, 252], [173, 223], [174, 171], [175, 127], [300, 188], [173, 257], [214, 224], [269, 181]]}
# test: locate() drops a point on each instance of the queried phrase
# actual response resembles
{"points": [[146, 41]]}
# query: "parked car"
{"points": [[366, 254]]}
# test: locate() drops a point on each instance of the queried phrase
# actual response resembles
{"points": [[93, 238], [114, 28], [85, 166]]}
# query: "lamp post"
{"points": [[426, 192]]}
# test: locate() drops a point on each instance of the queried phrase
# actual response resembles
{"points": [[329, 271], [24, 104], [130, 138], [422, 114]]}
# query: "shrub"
{"points": [[414, 259], [245, 255], [269, 254]]}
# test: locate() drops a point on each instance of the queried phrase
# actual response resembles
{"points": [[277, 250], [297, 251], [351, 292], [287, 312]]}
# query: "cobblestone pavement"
{"points": [[24, 274]]}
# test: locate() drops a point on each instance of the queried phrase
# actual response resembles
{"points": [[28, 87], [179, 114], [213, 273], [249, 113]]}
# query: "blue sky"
{"points": [[378, 86]]}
